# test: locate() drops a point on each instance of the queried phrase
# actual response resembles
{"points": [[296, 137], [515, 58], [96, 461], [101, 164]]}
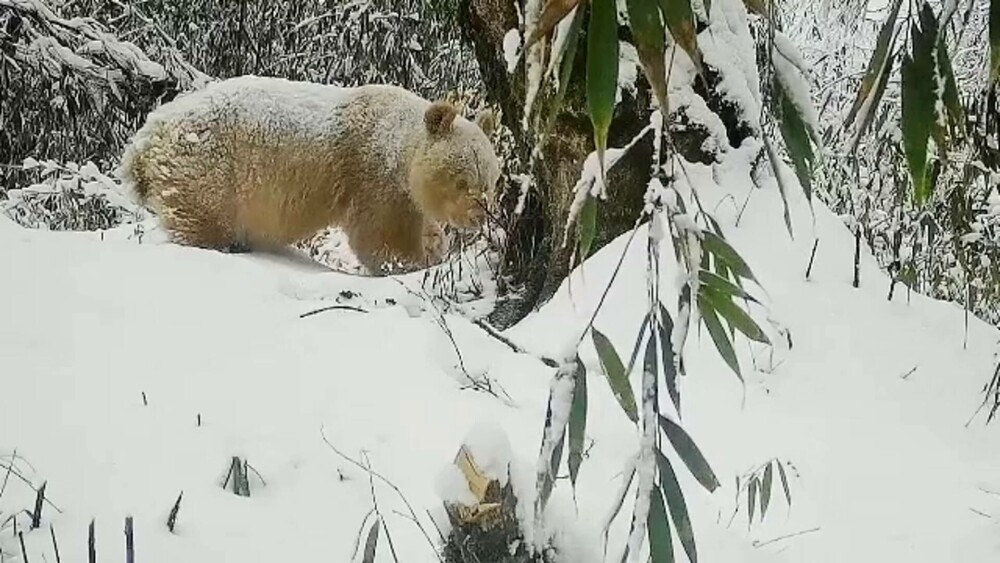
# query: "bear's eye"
{"points": [[462, 186]]}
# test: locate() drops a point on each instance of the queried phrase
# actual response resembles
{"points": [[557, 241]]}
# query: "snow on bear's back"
{"points": [[271, 105]]}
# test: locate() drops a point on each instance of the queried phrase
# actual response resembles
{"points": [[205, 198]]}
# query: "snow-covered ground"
{"points": [[132, 372]]}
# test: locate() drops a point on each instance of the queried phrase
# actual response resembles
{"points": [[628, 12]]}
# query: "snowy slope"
{"points": [[887, 471]]}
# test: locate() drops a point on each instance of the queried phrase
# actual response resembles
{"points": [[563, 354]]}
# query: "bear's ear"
{"points": [[486, 121], [439, 118]]}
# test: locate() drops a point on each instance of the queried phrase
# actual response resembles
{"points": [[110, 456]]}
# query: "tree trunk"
{"points": [[535, 260]]}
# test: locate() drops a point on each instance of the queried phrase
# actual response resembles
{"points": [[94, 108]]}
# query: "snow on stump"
{"points": [[488, 530]]}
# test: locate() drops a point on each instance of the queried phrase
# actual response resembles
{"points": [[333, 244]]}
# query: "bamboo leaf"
{"points": [[689, 454], [602, 71], [615, 372], [720, 248], [878, 65], [577, 421], [677, 506], [994, 39], [661, 544], [735, 316], [751, 499], [718, 333], [371, 543], [638, 343], [919, 98], [765, 490], [723, 286], [587, 227], [680, 21], [666, 329], [650, 41], [795, 133], [553, 13], [951, 97], [772, 158], [784, 483]]}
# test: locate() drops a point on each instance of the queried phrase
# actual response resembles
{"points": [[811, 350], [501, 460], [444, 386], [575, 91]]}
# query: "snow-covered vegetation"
{"points": [[791, 356]]}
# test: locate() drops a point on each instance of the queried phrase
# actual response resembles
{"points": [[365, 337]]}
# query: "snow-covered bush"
{"points": [[69, 197]]}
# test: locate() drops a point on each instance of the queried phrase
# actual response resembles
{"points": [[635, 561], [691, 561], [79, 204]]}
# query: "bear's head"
{"points": [[454, 170]]}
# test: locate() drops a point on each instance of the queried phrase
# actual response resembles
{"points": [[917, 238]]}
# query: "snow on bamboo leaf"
{"points": [[795, 133], [718, 333], [650, 41], [680, 22], [689, 453], [735, 316], [677, 506], [765, 489], [615, 372], [602, 71], [879, 65], [661, 544], [553, 13], [721, 249], [919, 98], [994, 39], [577, 421]]}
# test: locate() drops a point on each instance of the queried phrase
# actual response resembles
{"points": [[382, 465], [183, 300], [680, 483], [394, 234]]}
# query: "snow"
{"points": [[869, 406]]}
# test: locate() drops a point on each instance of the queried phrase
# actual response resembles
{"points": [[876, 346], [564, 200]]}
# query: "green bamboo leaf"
{"points": [[951, 97], [784, 483], [734, 315], [689, 454], [587, 227], [866, 121], [718, 333], [680, 21], [765, 490], [722, 251], [666, 329], [577, 421], [566, 57], [602, 70], [723, 286], [615, 372], [677, 506], [751, 498], [650, 41], [371, 543], [795, 133], [638, 343], [878, 65], [994, 39], [919, 98], [661, 544]]}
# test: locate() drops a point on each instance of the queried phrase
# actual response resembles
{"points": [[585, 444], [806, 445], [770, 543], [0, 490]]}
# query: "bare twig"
{"points": [[759, 544], [36, 515], [333, 308], [391, 485], [24, 552], [55, 544], [385, 526], [494, 333], [129, 541]]}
